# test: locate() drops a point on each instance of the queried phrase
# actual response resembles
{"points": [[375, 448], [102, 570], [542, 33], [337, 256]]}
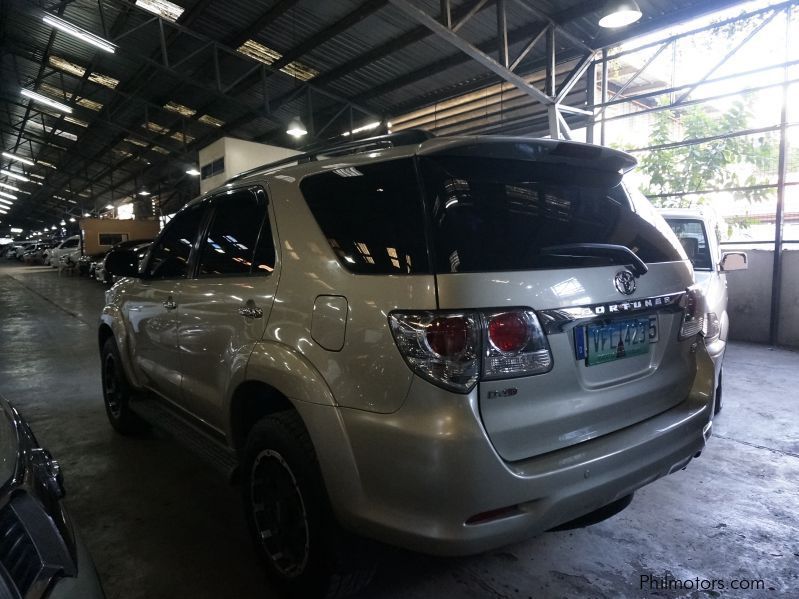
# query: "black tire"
{"points": [[718, 403], [117, 392], [304, 551]]}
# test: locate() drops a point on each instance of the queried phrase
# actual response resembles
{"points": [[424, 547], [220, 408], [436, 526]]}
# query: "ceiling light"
{"points": [[5, 203], [7, 195], [618, 13], [7, 186], [193, 172], [296, 128], [18, 158], [86, 215], [63, 222], [13, 175], [72, 219], [144, 193], [16, 230], [53, 228], [78, 32], [109, 207], [45, 100]]}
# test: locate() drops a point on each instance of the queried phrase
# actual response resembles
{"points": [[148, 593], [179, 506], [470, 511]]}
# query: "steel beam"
{"points": [[483, 59]]}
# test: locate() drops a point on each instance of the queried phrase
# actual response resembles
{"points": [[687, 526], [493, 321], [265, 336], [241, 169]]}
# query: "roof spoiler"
{"points": [[369, 144]]}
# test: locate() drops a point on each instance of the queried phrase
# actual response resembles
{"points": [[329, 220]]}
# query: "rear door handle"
{"points": [[170, 304], [251, 312]]}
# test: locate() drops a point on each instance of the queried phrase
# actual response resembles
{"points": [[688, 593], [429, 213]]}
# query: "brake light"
{"points": [[693, 304], [508, 332], [454, 349], [448, 336]]}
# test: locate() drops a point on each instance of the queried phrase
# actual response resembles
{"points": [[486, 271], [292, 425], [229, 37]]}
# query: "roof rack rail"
{"points": [[390, 140]]}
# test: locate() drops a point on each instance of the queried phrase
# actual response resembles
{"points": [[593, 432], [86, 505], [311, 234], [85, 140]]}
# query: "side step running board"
{"points": [[202, 444]]}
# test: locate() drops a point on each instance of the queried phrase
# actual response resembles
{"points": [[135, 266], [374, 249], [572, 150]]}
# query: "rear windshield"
{"points": [[504, 215]]}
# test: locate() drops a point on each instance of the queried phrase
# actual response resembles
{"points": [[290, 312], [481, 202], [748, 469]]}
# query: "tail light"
{"points": [[693, 304], [454, 349], [516, 345], [711, 329]]}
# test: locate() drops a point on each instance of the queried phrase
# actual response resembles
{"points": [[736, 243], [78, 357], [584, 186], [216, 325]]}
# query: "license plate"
{"points": [[609, 341]]}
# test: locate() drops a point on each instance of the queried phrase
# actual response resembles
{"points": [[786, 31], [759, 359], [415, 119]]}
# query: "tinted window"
{"points": [[70, 243], [372, 217], [693, 237], [169, 257], [492, 215], [233, 237]]}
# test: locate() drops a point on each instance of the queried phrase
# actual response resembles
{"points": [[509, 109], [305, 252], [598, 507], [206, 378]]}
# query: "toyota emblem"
{"points": [[625, 282]]}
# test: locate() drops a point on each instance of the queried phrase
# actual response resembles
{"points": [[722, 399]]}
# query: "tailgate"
{"points": [[579, 399]]}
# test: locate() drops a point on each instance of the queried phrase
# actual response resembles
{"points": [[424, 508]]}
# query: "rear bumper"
{"points": [[427, 469]]}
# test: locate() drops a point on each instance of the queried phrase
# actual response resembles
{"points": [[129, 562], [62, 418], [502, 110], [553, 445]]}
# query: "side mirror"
{"points": [[734, 261], [122, 263]]}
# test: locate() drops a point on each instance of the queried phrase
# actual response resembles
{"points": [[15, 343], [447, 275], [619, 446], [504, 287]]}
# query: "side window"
{"points": [[169, 257], [232, 246], [371, 216], [71, 243]]}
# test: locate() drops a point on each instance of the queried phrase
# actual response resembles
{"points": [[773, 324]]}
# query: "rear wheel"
{"points": [[718, 403], [305, 553], [117, 392]]}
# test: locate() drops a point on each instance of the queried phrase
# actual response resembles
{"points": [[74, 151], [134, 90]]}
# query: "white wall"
{"points": [[750, 297], [240, 155]]}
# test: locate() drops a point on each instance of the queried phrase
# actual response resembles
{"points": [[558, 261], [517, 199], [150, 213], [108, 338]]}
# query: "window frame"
{"points": [[213, 201]]}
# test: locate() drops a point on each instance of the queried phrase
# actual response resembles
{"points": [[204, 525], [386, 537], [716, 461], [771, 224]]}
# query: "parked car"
{"points": [[697, 231], [34, 254], [71, 246], [87, 263], [449, 345], [18, 249], [138, 246], [41, 556]]}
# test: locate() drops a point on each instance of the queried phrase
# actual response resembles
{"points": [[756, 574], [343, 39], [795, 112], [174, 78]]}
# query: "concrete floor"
{"points": [[162, 524]]}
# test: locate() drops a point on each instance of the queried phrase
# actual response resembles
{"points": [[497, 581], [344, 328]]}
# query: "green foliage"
{"points": [[726, 162]]}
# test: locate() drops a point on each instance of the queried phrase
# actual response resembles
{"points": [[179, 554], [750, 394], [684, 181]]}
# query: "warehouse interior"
{"points": [[115, 114]]}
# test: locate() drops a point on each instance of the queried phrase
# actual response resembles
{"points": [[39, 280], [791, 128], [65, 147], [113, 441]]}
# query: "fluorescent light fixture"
{"points": [[45, 100], [109, 207], [7, 195], [7, 186], [5, 203], [18, 158], [618, 13], [13, 175], [144, 193], [296, 128], [193, 172], [79, 32], [16, 230]]}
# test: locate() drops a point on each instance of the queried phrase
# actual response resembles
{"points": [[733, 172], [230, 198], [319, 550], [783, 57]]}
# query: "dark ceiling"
{"points": [[173, 86]]}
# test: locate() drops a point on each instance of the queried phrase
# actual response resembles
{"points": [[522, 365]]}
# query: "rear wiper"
{"points": [[609, 250]]}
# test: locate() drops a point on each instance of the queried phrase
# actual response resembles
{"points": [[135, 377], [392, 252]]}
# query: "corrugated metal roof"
{"points": [[367, 52]]}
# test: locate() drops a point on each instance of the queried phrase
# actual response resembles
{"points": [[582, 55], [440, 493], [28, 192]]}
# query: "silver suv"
{"points": [[445, 344]]}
